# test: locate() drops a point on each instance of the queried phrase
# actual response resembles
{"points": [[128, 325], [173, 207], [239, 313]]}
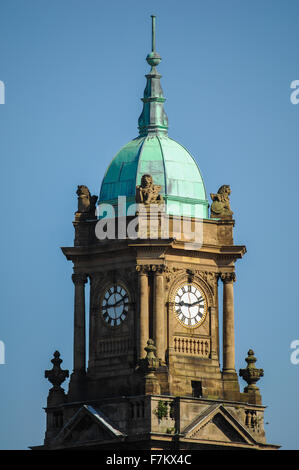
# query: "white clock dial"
{"points": [[115, 305], [190, 305]]}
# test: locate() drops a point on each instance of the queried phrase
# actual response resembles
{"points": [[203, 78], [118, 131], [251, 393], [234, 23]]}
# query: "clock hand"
{"points": [[181, 304], [195, 303], [117, 303]]}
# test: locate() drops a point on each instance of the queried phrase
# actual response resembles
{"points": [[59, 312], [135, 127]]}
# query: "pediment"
{"points": [[216, 423], [86, 426]]}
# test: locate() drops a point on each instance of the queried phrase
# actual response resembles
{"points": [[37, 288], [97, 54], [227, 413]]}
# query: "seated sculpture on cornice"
{"points": [[86, 202], [220, 208], [148, 192]]}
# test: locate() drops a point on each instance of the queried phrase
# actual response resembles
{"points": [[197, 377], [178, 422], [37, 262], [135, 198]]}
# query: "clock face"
{"points": [[115, 305], [190, 305]]}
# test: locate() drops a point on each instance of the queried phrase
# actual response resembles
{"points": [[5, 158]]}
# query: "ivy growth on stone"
{"points": [[161, 410]]}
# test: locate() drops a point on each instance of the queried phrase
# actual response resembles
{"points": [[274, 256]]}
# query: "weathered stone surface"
{"points": [[220, 207]]}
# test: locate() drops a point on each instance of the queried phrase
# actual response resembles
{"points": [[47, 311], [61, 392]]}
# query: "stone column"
{"points": [[228, 280], [159, 314], [79, 280], [143, 309], [217, 315], [95, 279], [214, 343]]}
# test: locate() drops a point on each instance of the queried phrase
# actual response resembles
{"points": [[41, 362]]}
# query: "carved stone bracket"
{"points": [[191, 275]]}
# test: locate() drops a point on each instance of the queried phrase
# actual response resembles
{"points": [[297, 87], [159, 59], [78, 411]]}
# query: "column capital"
{"points": [[228, 277], [143, 268], [158, 269], [79, 278]]}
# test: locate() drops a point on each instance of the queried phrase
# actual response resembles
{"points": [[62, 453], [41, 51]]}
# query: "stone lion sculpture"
{"points": [[86, 202], [220, 208], [148, 192]]}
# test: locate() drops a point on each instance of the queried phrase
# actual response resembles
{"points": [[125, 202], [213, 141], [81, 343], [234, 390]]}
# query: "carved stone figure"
{"points": [[148, 192], [220, 208], [86, 202]]}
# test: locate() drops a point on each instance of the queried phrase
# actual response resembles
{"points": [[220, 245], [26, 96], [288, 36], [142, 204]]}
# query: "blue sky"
{"points": [[74, 75]]}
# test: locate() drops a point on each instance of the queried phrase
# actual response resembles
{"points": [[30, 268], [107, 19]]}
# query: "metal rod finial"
{"points": [[153, 33]]}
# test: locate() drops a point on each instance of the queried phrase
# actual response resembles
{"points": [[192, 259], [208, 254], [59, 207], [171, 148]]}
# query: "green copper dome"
{"points": [[170, 165], [153, 152]]}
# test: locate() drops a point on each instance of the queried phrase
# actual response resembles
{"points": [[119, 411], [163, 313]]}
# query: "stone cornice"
{"points": [[223, 252]]}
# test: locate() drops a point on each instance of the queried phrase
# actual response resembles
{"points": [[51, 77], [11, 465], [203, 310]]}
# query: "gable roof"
{"points": [[87, 425], [217, 423]]}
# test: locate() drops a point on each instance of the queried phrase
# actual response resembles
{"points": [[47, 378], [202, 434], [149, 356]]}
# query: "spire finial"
{"points": [[153, 58], [153, 33], [153, 119]]}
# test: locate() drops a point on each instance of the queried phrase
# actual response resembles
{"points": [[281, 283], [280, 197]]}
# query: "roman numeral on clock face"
{"points": [[190, 305], [115, 305]]}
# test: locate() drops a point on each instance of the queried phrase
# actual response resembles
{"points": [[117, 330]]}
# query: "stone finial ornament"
{"points": [[150, 363], [148, 192], [251, 374], [56, 375], [86, 202], [148, 367], [220, 208]]}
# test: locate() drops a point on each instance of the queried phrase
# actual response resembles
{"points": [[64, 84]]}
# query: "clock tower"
{"points": [[149, 372]]}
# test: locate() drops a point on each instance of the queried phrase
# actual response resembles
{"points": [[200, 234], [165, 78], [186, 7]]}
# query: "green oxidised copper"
{"points": [[153, 118], [153, 152]]}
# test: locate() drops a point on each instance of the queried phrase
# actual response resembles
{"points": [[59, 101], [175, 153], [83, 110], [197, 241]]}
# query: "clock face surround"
{"points": [[115, 305], [190, 305]]}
